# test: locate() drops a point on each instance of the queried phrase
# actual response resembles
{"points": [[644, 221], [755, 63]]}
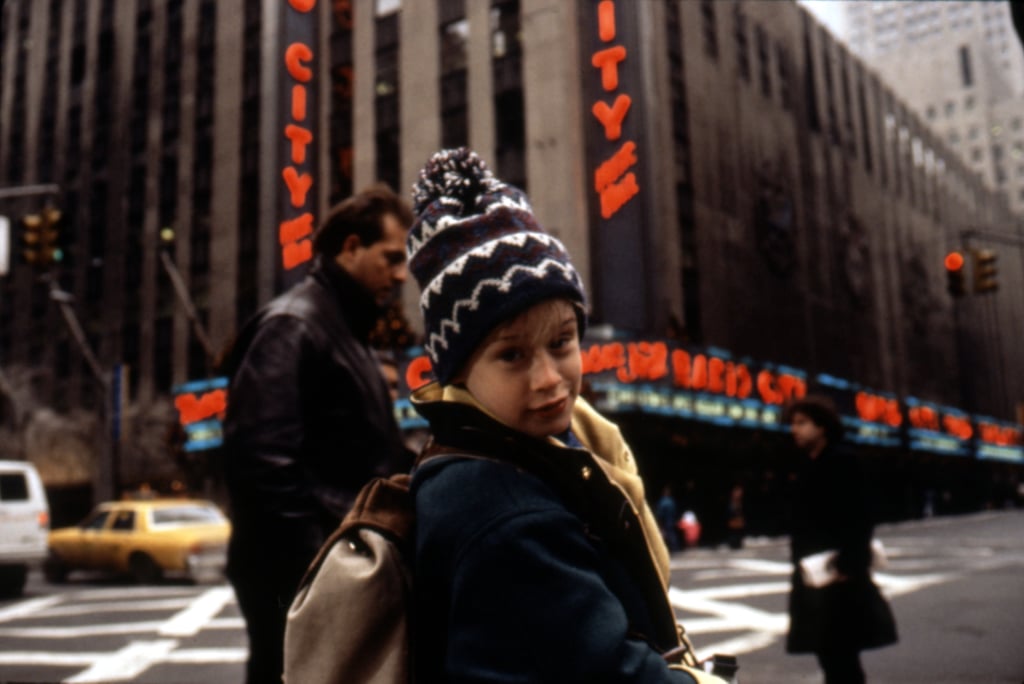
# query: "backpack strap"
{"points": [[383, 506]]}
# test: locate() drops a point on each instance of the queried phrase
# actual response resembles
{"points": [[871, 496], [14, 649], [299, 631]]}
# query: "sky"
{"points": [[828, 12]]}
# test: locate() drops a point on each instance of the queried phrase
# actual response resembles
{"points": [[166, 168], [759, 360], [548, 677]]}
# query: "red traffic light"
{"points": [[954, 261]]}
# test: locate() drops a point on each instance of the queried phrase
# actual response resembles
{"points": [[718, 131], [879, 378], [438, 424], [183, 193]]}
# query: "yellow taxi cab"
{"points": [[149, 539]]}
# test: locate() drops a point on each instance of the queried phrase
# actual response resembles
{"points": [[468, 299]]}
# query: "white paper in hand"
{"points": [[818, 569]]}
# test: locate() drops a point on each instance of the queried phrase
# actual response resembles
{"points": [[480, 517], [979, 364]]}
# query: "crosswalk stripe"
{"points": [[199, 612], [126, 664]]}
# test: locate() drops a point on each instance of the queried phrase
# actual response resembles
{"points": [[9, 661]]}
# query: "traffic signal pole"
{"points": [[186, 302], [106, 482]]}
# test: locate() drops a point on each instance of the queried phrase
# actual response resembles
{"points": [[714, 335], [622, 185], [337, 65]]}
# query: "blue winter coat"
{"points": [[538, 574]]}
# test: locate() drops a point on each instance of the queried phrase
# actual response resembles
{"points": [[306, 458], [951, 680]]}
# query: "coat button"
{"points": [[585, 473]]}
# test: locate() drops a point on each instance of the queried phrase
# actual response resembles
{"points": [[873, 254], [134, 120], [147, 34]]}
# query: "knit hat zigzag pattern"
{"points": [[501, 284], [479, 256]]}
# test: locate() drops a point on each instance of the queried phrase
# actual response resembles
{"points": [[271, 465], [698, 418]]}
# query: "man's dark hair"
{"points": [[822, 412], [361, 214]]}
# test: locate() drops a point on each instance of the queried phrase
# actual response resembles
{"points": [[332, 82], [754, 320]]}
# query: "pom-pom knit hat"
{"points": [[479, 256]]}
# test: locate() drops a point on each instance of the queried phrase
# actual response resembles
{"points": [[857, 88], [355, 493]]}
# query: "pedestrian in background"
{"points": [[310, 418], [666, 512], [537, 556], [735, 519], [831, 513]]}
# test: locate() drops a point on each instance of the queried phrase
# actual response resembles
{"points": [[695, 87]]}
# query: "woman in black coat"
{"points": [[830, 513]]}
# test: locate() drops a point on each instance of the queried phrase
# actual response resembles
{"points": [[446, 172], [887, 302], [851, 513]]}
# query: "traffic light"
{"points": [[985, 271], [40, 238], [955, 274]]}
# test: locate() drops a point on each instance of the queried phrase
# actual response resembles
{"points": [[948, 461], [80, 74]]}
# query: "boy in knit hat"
{"points": [[537, 557]]}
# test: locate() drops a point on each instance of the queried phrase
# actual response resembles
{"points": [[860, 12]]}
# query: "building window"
{"points": [[509, 112], [248, 181], [709, 28], [454, 38], [966, 76], [810, 87], [388, 132], [865, 126], [342, 64], [785, 92], [830, 102], [763, 62], [742, 48]]}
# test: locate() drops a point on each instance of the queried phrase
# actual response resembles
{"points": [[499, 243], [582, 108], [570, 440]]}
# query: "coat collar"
{"points": [[356, 304], [457, 420]]}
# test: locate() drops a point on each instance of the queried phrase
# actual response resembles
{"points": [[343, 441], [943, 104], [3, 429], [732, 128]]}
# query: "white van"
{"points": [[24, 524]]}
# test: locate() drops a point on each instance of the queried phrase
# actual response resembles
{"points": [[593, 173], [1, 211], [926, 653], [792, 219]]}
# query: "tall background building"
{"points": [[960, 67], [730, 179]]}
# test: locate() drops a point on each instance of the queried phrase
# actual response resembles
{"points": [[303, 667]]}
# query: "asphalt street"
{"points": [[956, 585]]}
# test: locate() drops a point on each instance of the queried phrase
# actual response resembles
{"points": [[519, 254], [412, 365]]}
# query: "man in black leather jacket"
{"points": [[310, 417]]}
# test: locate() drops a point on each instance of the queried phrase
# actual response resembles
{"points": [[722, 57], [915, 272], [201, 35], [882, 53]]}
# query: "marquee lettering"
{"points": [[1000, 435], [779, 388], [606, 20], [603, 357], [958, 426], [296, 56], [418, 373], [300, 138], [647, 361], [611, 117], [298, 185], [296, 229], [193, 408], [923, 418], [608, 62], [298, 107], [614, 185], [716, 375], [294, 232], [878, 409]]}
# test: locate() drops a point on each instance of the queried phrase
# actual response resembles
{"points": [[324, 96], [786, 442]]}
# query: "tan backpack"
{"points": [[349, 622]]}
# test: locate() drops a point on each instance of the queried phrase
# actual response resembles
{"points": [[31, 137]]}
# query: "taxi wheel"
{"points": [[12, 580], [54, 569], [144, 569]]}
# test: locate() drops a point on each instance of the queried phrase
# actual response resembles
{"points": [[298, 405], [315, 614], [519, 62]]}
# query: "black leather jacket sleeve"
{"points": [[265, 422]]}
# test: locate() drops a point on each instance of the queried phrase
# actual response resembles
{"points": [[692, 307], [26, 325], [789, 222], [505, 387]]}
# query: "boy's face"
{"points": [[527, 372]]}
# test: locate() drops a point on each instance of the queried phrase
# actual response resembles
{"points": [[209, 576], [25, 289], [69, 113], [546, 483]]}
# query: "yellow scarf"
{"points": [[604, 440]]}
